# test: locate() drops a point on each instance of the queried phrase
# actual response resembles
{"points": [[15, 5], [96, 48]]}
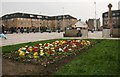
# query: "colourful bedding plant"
{"points": [[51, 52]]}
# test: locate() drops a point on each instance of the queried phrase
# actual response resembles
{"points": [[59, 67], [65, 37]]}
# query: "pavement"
{"points": [[31, 37]]}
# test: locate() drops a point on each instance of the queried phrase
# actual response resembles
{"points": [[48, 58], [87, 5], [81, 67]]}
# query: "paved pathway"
{"points": [[31, 37], [28, 37]]}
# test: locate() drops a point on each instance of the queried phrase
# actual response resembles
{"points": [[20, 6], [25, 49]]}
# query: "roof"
{"points": [[35, 16], [113, 11], [80, 24]]}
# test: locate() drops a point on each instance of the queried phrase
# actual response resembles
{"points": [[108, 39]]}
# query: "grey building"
{"points": [[91, 25], [115, 22]]}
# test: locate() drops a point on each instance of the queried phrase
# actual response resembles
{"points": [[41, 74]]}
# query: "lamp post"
{"points": [[63, 16], [95, 25]]}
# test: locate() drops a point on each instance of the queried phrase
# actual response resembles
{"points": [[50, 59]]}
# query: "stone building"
{"points": [[33, 21], [91, 24], [115, 22]]}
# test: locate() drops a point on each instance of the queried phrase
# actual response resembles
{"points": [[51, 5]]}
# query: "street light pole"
{"points": [[95, 25], [63, 16]]}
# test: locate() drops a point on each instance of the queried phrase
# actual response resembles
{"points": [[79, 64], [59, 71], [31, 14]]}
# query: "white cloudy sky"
{"points": [[81, 9]]}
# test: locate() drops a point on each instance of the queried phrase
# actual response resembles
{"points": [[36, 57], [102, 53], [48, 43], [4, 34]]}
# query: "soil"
{"points": [[10, 67]]}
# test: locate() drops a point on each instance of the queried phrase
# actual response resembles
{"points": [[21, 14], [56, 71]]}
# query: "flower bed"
{"points": [[48, 53]]}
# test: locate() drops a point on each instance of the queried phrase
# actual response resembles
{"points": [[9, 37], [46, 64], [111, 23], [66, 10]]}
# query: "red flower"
{"points": [[49, 52], [46, 45], [35, 49], [66, 50], [28, 50], [37, 45]]}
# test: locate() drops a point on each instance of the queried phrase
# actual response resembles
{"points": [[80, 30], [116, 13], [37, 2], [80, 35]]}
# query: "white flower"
{"points": [[67, 45], [26, 46], [40, 44], [30, 47], [73, 45], [27, 52], [60, 49], [53, 50], [23, 48], [69, 49], [51, 45], [41, 53], [57, 41], [41, 48], [46, 47], [77, 40]]}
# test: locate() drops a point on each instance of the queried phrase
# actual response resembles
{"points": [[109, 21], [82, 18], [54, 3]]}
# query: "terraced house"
{"points": [[32, 21]]}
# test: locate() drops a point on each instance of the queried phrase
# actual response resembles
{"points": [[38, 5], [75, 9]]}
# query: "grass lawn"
{"points": [[102, 59]]}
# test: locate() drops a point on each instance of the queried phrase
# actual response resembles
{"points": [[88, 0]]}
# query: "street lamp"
{"points": [[95, 25], [63, 16]]}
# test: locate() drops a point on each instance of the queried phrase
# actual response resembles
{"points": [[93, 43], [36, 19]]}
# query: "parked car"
{"points": [[48, 30], [59, 31]]}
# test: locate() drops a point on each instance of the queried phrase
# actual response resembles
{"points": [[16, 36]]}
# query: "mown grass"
{"points": [[102, 59]]}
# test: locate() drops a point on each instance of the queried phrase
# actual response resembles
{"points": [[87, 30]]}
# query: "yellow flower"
{"points": [[35, 54], [21, 53], [52, 48], [82, 43], [88, 42], [41, 53], [35, 57], [30, 49], [19, 50]]}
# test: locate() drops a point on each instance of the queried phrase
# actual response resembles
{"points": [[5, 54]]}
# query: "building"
{"points": [[115, 22], [91, 24], [32, 21], [119, 5]]}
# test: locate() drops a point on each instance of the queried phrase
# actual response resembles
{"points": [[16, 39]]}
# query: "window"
{"points": [[106, 15], [117, 13], [31, 16], [114, 22], [113, 14], [6, 16], [113, 18], [39, 16], [105, 18], [59, 17], [67, 16], [46, 17], [63, 16]]}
